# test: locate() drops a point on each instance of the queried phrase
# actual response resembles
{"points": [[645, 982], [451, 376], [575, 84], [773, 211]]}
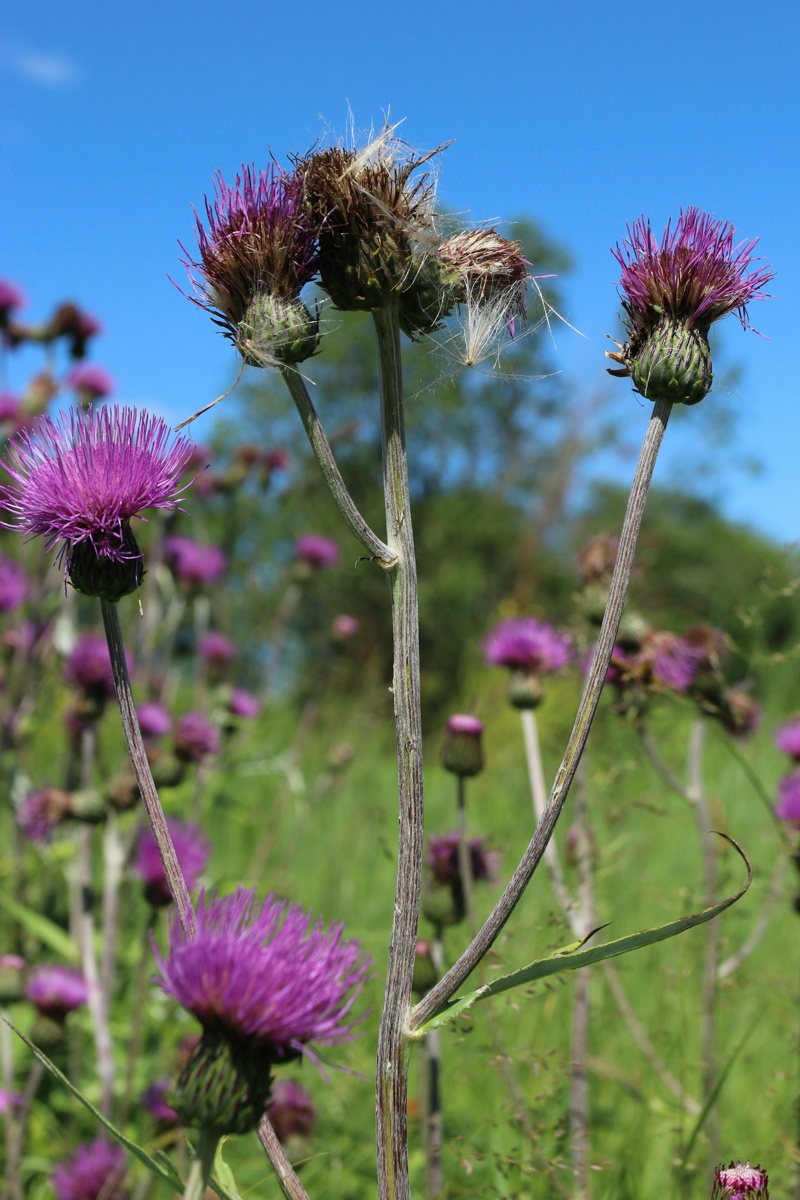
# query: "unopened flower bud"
{"points": [[110, 579], [277, 331], [462, 751], [524, 690]]}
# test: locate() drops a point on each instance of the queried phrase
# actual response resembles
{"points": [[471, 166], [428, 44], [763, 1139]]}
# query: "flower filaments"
{"points": [[257, 254], [740, 1181], [81, 478], [264, 982], [672, 294], [374, 222]]}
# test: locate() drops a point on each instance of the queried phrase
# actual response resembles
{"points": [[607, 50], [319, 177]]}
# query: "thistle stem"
{"points": [[286, 1175], [432, 1002], [392, 1057], [533, 758], [141, 767], [359, 528], [202, 1166]]}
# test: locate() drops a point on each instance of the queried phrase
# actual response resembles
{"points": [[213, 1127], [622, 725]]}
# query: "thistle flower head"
{"points": [[11, 297], [264, 980], [673, 660], [489, 269], [442, 858], [525, 644], [154, 1100], [672, 292], [316, 551], [345, 627], [80, 479], [192, 849], [90, 382], [373, 212], [195, 738], [787, 739], [788, 806], [94, 1172], [216, 649], [56, 991], [88, 665], [256, 255], [41, 811], [740, 1181], [242, 703], [290, 1110], [154, 720], [194, 565]]}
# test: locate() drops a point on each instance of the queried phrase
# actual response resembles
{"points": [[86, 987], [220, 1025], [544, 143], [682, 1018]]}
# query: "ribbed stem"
{"points": [[141, 767], [392, 1058], [287, 1178], [595, 679], [201, 1168]]}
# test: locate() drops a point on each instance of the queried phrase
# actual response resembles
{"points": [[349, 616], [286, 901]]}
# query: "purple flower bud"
{"points": [[317, 551], [57, 991], [95, 1172], [345, 627], [244, 704], [740, 1181], [11, 297], [91, 382], [442, 858], [217, 650], [462, 751], [154, 720], [195, 738], [192, 850]]}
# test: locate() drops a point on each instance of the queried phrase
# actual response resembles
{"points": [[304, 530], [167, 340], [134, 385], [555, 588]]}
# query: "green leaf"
{"points": [[555, 964], [160, 1167], [224, 1174], [43, 928]]}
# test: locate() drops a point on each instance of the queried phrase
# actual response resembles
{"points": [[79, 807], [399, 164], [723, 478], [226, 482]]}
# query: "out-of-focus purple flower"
{"points": [[442, 858], [316, 551], [267, 973], [56, 991], [155, 1101], [91, 382], [154, 720], [41, 811], [95, 1172], [11, 297], [739, 712], [244, 704], [216, 649], [740, 1181], [10, 409], [345, 627], [290, 1110], [194, 565], [672, 292], [80, 479], [788, 806], [525, 644], [462, 749], [195, 738], [9, 1101], [264, 980], [75, 325], [192, 849], [13, 585], [675, 661], [277, 459], [89, 665], [787, 739]]}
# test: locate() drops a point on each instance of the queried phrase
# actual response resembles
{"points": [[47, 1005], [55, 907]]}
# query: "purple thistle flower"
{"points": [[442, 858], [11, 297], [154, 720], [9, 1101], [674, 661], [290, 1110], [155, 1101], [217, 650], [10, 409], [525, 644], [57, 991], [265, 973], [787, 739], [194, 565], [317, 551], [80, 479], [41, 811], [13, 585], [788, 806], [740, 1181], [672, 294], [243, 704], [94, 1172], [89, 666], [345, 627], [192, 849], [91, 382], [195, 738]]}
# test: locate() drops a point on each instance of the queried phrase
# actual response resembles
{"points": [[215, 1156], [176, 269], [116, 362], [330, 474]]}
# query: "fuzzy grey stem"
{"points": [[359, 528], [201, 1168], [533, 757], [434, 1121], [141, 767], [593, 686], [464, 859], [392, 1057], [287, 1178]]}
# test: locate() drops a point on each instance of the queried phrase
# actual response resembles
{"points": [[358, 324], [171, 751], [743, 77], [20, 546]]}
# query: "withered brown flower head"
{"points": [[374, 218], [489, 265]]}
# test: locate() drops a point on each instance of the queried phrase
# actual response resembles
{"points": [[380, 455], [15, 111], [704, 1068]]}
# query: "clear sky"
{"points": [[113, 119]]}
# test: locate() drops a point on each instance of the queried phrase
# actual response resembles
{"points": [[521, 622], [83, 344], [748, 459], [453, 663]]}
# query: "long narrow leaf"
{"points": [[570, 961], [48, 933]]}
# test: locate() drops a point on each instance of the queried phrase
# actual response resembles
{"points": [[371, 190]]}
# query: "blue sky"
{"points": [[114, 118]]}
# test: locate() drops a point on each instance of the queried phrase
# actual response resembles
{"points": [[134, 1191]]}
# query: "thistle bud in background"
{"points": [[55, 992], [443, 894], [292, 1115], [425, 973], [462, 749], [740, 1181], [672, 293]]}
